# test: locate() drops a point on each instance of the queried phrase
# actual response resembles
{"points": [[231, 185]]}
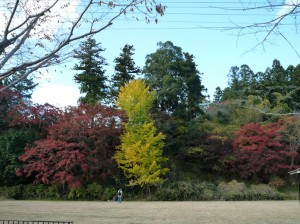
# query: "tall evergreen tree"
{"points": [[218, 94], [194, 88], [248, 80], [294, 94], [174, 76], [91, 78], [234, 86], [277, 85], [125, 70]]}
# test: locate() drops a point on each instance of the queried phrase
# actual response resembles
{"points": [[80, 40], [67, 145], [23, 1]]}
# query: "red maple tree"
{"points": [[36, 116], [78, 149], [258, 152]]}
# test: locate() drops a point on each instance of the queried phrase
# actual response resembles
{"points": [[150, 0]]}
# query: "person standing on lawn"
{"points": [[120, 194]]}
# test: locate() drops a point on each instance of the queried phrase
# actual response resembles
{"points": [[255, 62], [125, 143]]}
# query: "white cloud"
{"points": [[56, 94]]}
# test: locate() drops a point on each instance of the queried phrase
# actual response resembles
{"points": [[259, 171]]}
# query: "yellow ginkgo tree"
{"points": [[140, 153]]}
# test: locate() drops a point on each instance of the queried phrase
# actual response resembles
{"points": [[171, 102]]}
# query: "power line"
{"points": [[192, 14]]}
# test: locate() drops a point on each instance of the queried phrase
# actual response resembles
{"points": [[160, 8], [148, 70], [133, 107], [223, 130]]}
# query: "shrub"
{"points": [[53, 192], [94, 191], [91, 192], [208, 195], [31, 191], [239, 191], [182, 190], [11, 192], [177, 191], [232, 191], [205, 191], [168, 194], [276, 182], [108, 194], [264, 192], [76, 193]]}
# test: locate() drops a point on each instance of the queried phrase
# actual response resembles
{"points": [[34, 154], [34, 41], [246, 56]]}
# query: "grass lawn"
{"points": [[254, 212]]}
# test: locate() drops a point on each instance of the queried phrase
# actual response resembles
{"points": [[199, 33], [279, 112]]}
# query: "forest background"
{"points": [[166, 143], [240, 136]]}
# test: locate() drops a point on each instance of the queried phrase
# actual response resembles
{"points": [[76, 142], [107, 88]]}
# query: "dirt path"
{"points": [[257, 212]]}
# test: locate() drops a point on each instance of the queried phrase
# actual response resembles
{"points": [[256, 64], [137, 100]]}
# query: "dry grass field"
{"points": [[254, 212]]}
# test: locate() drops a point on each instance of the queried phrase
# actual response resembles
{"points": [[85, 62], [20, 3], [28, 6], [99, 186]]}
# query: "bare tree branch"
{"points": [[38, 34], [5, 43], [283, 9], [17, 47], [22, 77], [289, 44], [10, 20]]}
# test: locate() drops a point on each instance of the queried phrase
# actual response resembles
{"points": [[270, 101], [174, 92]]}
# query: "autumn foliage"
{"points": [[165, 136], [35, 116], [258, 152], [78, 149], [140, 154]]}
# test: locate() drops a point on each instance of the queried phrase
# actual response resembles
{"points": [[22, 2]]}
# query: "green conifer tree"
{"points": [[125, 70], [91, 78]]}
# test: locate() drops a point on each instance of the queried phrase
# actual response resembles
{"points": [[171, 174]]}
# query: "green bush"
{"points": [[239, 191], [264, 192], [182, 190], [31, 191], [91, 192], [208, 195], [52, 192], [108, 194], [176, 191], [94, 191], [76, 193], [167, 194], [232, 191], [205, 191], [14, 192]]}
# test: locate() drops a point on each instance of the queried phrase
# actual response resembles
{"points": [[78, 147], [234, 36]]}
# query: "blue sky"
{"points": [[194, 26]]}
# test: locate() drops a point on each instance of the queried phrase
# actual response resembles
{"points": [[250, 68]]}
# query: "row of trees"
{"points": [[162, 125], [278, 86], [169, 71], [92, 80], [90, 63]]}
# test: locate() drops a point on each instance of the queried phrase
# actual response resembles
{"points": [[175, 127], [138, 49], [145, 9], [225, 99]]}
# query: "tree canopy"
{"points": [[125, 70], [91, 79], [78, 148], [277, 85], [174, 76], [140, 152], [162, 137]]}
